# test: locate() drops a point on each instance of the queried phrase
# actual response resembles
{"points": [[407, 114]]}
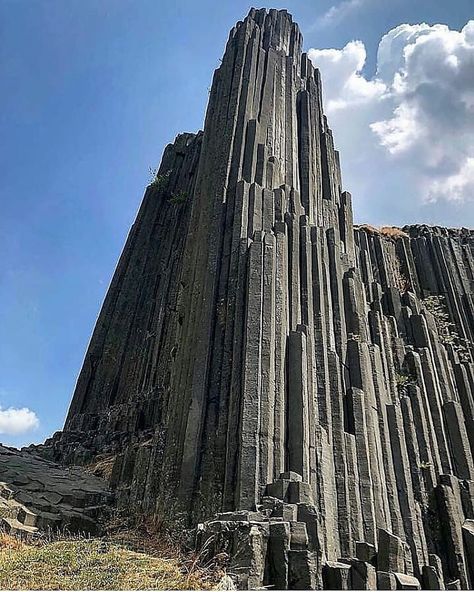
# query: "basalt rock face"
{"points": [[304, 386]]}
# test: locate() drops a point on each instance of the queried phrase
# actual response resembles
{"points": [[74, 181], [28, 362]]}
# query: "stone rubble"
{"points": [[39, 495]]}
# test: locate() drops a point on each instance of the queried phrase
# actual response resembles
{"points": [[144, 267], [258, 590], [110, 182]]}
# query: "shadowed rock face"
{"points": [[250, 331]]}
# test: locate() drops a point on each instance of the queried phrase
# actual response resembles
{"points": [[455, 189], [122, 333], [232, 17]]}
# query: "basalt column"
{"points": [[260, 360], [246, 398], [214, 330]]}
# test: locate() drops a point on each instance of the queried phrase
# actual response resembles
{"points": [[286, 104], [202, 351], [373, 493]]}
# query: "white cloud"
{"points": [[17, 421], [457, 186], [401, 131], [338, 12], [344, 84], [412, 122]]}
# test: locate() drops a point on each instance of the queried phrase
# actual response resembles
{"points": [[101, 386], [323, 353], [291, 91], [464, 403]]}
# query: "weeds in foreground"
{"points": [[136, 554]]}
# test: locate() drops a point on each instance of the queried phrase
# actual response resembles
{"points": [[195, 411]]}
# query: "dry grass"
{"points": [[393, 232], [387, 231], [102, 467], [101, 564], [10, 542], [368, 228], [154, 537]]}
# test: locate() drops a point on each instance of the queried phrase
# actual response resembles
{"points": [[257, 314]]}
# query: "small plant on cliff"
{"points": [[178, 198], [425, 465], [158, 181], [369, 229], [448, 335], [393, 232], [404, 381], [386, 231]]}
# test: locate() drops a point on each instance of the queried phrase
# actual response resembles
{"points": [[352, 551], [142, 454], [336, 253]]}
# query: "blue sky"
{"points": [[92, 90]]}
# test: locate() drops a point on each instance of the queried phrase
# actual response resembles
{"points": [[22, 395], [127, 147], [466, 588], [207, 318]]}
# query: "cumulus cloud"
{"points": [[337, 12], [413, 119], [344, 84], [17, 421], [457, 186]]}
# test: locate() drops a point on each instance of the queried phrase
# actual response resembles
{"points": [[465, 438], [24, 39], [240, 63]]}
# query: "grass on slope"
{"points": [[91, 564]]}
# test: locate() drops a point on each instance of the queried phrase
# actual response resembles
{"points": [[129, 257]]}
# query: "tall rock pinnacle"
{"points": [[257, 354]]}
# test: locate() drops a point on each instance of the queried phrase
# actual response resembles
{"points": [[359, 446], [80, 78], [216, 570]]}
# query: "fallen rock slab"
{"points": [[40, 495]]}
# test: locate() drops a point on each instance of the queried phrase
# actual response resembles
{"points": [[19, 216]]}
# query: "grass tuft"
{"points": [[102, 467], [10, 542], [386, 231], [99, 564], [393, 232]]}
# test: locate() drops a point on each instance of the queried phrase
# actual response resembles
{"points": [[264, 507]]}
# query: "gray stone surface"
{"points": [[363, 576], [432, 579], [386, 581], [468, 537], [365, 551], [405, 582], [391, 555], [40, 495], [337, 576]]}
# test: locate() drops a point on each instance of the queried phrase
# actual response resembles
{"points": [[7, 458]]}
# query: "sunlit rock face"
{"points": [[259, 359]]}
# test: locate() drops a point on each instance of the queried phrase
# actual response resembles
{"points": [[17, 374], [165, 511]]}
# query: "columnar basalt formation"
{"points": [[303, 387]]}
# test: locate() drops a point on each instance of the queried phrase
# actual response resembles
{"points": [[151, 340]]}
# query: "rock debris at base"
{"points": [[39, 495]]}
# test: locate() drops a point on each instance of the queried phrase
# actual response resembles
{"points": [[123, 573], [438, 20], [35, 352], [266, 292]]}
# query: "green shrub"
{"points": [[448, 335], [404, 381], [178, 198], [159, 181]]}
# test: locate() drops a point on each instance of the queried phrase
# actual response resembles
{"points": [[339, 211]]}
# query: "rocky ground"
{"points": [[37, 494]]}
